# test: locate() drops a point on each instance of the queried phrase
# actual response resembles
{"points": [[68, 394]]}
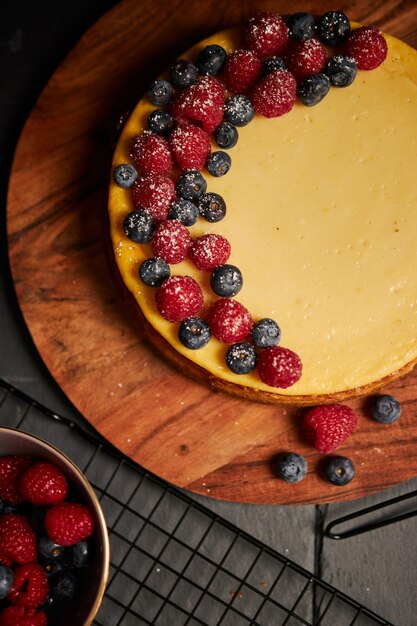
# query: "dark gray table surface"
{"points": [[379, 568]]}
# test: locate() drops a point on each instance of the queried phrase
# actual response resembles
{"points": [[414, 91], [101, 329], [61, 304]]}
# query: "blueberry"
{"points": [[194, 333], [63, 586], [183, 73], [340, 470], [386, 409], [333, 28], [6, 508], [226, 135], [212, 207], [125, 175], [218, 163], [211, 59], [341, 70], [6, 581], [301, 26], [265, 333], [154, 271], [292, 467], [191, 185], [184, 211], [139, 226], [313, 89], [238, 110], [272, 64], [80, 554], [160, 92], [160, 122], [226, 280], [241, 358], [49, 550]]}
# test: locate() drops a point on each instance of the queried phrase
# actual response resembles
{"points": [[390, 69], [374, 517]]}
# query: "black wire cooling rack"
{"points": [[174, 562]]}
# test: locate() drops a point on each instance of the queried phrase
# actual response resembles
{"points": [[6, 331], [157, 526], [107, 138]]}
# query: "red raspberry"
{"points": [[202, 103], [327, 427], [44, 483], [279, 367], [190, 146], [151, 154], [305, 57], [275, 94], [68, 523], [22, 616], [154, 194], [265, 34], [367, 46], [179, 297], [11, 470], [6, 560], [229, 320], [171, 241], [241, 71], [30, 587], [209, 251], [17, 539]]}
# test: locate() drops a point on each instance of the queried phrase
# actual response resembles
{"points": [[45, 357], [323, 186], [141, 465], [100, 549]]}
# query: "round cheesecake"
{"points": [[321, 222]]}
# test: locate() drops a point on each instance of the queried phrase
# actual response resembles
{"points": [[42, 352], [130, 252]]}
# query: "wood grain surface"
{"points": [[205, 441]]}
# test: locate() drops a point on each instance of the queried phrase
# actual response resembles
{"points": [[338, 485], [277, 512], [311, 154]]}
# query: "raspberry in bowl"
{"points": [[54, 547]]}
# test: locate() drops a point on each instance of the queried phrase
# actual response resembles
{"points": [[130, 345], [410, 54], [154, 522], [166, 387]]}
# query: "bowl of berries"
{"points": [[54, 547]]}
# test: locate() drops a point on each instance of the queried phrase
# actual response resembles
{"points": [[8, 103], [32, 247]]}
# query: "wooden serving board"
{"points": [[205, 441]]}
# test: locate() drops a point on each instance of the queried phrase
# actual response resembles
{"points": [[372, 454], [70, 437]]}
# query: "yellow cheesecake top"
{"points": [[321, 218]]}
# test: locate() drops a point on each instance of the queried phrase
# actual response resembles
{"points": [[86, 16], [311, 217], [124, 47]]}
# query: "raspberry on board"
{"points": [[68, 523], [171, 241], [190, 146], [151, 154], [44, 484], [279, 367], [275, 94], [327, 427], [17, 539], [368, 47], [202, 103], [266, 34], [30, 587], [229, 320], [11, 470], [179, 297], [209, 251], [241, 71], [305, 57], [154, 195], [22, 616]]}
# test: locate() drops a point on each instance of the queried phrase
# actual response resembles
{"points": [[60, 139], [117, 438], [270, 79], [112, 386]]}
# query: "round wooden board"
{"points": [[205, 441]]}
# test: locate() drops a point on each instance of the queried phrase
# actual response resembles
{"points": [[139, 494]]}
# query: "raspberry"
{"points": [[209, 251], [202, 103], [17, 539], [44, 483], [68, 523], [229, 321], [22, 616], [241, 71], [275, 94], [30, 587], [305, 57], [190, 146], [327, 427], [151, 154], [11, 469], [279, 367], [154, 194], [171, 241], [265, 34], [367, 46], [179, 297]]}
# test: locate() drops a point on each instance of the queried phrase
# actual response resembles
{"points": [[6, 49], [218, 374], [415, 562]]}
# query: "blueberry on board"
{"points": [[194, 333], [238, 110], [80, 554], [333, 28], [49, 550], [63, 586], [313, 89], [160, 122], [139, 226], [153, 272], [212, 207], [341, 70], [226, 280], [292, 467], [160, 92], [272, 64], [211, 59], [6, 581], [301, 26], [386, 409], [241, 358], [218, 163], [340, 470], [265, 333], [184, 211], [125, 175], [191, 185], [183, 73], [226, 135]]}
